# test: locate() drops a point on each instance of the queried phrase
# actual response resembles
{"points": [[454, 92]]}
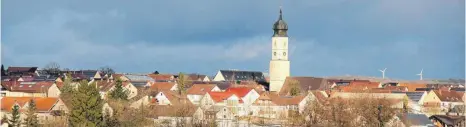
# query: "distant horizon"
{"points": [[327, 38], [365, 76]]}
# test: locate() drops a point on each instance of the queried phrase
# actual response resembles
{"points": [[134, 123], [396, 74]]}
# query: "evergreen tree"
{"points": [[86, 106], [119, 93], [181, 81], [15, 120], [31, 116], [67, 87]]}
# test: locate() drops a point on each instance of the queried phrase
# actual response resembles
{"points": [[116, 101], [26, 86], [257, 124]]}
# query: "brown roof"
{"points": [[42, 104], [320, 95], [449, 96], [176, 99], [305, 83], [280, 100], [22, 69], [200, 89], [196, 77], [159, 77], [29, 87], [162, 86], [104, 85], [412, 87]]}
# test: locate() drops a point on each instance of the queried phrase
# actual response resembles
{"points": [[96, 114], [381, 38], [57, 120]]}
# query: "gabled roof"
{"points": [[29, 87], [22, 69], [239, 91], [306, 84], [104, 85], [139, 78], [220, 96], [232, 75], [162, 86], [449, 96], [196, 76], [414, 96], [201, 89], [161, 77], [42, 104], [412, 86], [448, 119], [176, 99]]}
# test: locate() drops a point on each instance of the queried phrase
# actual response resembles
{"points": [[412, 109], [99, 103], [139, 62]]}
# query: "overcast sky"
{"points": [[327, 37]]}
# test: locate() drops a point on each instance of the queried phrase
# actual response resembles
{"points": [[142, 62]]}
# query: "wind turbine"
{"points": [[420, 74], [383, 73]]}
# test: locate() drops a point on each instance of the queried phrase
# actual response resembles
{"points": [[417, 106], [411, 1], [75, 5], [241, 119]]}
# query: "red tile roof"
{"points": [[220, 96], [239, 91]]}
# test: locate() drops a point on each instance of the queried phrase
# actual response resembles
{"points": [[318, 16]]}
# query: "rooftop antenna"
{"points": [[383, 73], [420, 74]]}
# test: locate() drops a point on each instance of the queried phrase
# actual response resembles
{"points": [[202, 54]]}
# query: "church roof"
{"points": [[280, 27]]}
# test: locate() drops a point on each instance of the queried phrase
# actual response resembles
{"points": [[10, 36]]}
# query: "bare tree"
{"points": [[107, 70], [52, 68]]}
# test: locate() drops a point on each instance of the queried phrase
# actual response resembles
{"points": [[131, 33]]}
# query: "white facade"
{"points": [[279, 65]]}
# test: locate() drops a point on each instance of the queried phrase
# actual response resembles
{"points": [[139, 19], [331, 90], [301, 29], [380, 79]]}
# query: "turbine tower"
{"points": [[383, 73], [420, 74]]}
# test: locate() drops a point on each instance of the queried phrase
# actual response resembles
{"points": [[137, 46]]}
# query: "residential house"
{"points": [[198, 77], [412, 86], [449, 99], [305, 84], [396, 99], [29, 89], [162, 77], [172, 116], [227, 99], [21, 71], [106, 86], [137, 78], [236, 75], [48, 108], [219, 114], [416, 100], [197, 91], [170, 98], [448, 120]]}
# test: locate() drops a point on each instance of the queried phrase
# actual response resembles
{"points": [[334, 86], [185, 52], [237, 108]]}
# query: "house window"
{"points": [[274, 53], [225, 116], [224, 109]]}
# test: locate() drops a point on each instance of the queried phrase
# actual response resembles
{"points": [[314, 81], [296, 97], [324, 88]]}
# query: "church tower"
{"points": [[279, 65]]}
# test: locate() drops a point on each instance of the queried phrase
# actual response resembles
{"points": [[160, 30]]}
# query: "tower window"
{"points": [[284, 53], [275, 53]]}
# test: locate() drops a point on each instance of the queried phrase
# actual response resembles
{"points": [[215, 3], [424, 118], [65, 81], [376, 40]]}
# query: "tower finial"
{"points": [[280, 18]]}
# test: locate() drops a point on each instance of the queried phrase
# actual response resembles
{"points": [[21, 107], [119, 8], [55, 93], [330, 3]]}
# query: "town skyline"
{"points": [[323, 39]]}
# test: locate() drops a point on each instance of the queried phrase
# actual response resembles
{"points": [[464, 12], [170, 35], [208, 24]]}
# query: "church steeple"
{"points": [[280, 27]]}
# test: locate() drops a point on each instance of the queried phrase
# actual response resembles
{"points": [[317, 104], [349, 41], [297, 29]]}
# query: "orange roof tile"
{"points": [[412, 87], [42, 104]]}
